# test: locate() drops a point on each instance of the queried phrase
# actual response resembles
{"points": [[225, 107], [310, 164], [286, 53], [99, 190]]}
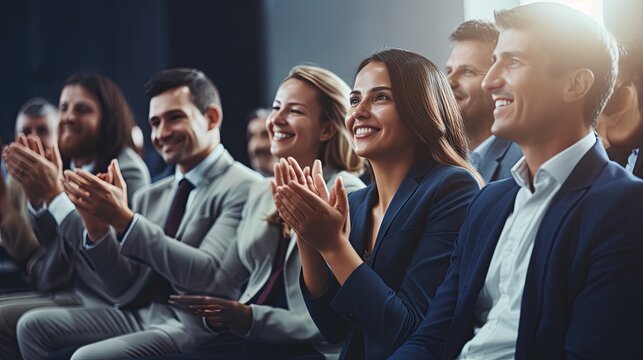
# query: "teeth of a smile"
{"points": [[500, 103], [280, 135], [364, 130]]}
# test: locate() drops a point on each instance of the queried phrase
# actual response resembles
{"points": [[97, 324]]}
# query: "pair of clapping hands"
{"points": [[318, 216], [40, 173]]}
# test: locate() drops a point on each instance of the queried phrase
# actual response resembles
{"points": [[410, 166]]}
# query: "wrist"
{"points": [[51, 195], [122, 220], [96, 232]]}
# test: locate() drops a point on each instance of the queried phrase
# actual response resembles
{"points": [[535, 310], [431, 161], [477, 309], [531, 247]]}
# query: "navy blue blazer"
{"points": [[583, 295], [501, 156], [384, 300]]}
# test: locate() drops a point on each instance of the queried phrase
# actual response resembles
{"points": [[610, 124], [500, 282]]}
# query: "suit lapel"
{"points": [[201, 192], [493, 157], [361, 222], [402, 195], [570, 193], [485, 246]]}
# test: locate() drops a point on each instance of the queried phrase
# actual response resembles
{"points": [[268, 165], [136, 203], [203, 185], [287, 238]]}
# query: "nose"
{"points": [[493, 79], [161, 131], [277, 117], [361, 111], [452, 80]]}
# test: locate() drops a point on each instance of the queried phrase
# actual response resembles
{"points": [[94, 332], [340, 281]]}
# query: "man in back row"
{"points": [[549, 264], [473, 44]]}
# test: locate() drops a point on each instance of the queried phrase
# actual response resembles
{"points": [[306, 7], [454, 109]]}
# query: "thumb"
{"points": [[341, 197], [117, 177]]}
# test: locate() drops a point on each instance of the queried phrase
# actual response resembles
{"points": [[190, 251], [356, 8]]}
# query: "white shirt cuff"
{"points": [[131, 225], [60, 207], [90, 245], [36, 212]]}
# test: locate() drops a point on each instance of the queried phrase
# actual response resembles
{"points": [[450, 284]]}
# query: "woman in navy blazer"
{"points": [[369, 281]]}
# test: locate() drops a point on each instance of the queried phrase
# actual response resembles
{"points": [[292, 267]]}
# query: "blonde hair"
{"points": [[333, 98]]}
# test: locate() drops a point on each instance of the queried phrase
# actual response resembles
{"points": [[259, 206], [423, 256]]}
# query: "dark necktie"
{"points": [[276, 273], [158, 288], [177, 209]]}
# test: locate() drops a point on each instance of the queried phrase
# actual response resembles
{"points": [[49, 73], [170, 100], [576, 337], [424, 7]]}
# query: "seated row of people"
{"points": [[216, 261]]}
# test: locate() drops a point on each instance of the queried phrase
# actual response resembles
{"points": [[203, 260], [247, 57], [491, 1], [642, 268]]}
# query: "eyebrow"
{"points": [[167, 113], [512, 54], [375, 89], [292, 103]]}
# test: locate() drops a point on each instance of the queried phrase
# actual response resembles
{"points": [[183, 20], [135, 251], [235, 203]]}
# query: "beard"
{"points": [[77, 145]]}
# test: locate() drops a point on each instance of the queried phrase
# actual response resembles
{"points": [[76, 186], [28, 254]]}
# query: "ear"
{"points": [[578, 85], [213, 115], [622, 100], [328, 131]]}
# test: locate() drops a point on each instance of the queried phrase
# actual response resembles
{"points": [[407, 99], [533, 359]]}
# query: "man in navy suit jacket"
{"points": [[470, 59], [549, 264]]}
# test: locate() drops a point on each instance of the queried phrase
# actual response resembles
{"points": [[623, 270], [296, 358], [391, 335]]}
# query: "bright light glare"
{"points": [[593, 8]]}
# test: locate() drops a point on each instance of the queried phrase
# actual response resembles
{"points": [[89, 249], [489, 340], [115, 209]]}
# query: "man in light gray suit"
{"points": [[94, 127], [171, 241], [470, 59]]}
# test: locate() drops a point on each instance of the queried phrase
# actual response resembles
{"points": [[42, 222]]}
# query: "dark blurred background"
{"points": [[245, 46]]}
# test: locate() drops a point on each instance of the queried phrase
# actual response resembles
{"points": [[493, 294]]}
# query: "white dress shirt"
{"points": [[497, 309], [631, 161]]}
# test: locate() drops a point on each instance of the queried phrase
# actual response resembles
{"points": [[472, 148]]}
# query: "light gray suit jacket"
{"points": [[58, 265], [251, 260], [498, 160]]}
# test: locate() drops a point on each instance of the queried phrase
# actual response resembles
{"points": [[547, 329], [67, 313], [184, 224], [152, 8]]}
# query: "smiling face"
{"points": [[80, 119], [259, 146], [529, 101], [373, 120], [180, 132], [468, 64], [294, 125]]}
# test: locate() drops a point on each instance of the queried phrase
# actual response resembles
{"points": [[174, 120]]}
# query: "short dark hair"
{"points": [[203, 91], [630, 65], [574, 41], [116, 121], [476, 30]]}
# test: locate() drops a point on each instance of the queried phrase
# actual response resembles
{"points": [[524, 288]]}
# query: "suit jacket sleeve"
{"points": [[606, 313], [398, 313], [134, 171]]}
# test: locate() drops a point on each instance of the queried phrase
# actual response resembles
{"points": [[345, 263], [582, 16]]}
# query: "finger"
{"points": [[317, 167], [73, 189], [57, 159], [299, 173], [36, 145], [285, 170], [22, 140], [342, 197], [311, 184], [312, 202], [277, 174], [299, 197], [92, 181], [78, 180], [320, 186], [117, 176], [191, 299], [287, 212]]}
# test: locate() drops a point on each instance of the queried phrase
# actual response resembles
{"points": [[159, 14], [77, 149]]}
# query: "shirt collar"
{"points": [[484, 146], [197, 174], [87, 167], [557, 167]]}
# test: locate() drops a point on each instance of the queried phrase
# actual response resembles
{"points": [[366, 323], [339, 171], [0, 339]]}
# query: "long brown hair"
{"points": [[427, 106], [116, 121]]}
